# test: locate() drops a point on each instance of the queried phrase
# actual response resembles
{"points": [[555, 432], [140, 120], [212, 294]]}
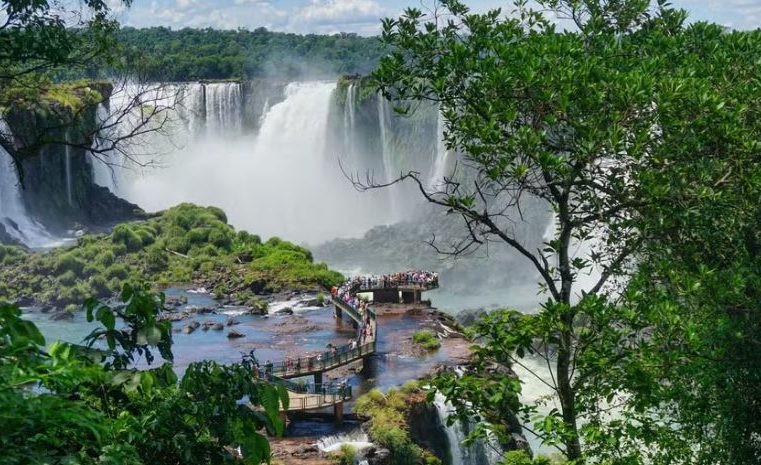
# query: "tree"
{"points": [[41, 41], [89, 405], [583, 122]]}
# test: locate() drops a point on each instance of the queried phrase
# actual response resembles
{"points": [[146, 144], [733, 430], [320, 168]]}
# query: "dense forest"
{"points": [[164, 54]]}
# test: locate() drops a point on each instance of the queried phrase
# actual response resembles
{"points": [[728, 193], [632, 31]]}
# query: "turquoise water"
{"points": [[272, 337]]}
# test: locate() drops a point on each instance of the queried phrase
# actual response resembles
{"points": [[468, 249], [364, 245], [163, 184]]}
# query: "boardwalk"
{"points": [[318, 395]]}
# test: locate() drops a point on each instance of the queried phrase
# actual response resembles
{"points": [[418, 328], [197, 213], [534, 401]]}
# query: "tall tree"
{"points": [[579, 120]]}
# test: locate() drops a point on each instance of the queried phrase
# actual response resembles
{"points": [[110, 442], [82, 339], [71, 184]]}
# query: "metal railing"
{"points": [[316, 401], [302, 366], [342, 390], [354, 313], [402, 285]]}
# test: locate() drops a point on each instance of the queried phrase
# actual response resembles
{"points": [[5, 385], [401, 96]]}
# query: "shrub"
{"points": [[348, 454], [218, 213], [69, 262], [197, 235], [220, 238], [117, 271], [99, 286], [124, 234], [156, 259], [427, 339], [68, 278], [106, 257]]}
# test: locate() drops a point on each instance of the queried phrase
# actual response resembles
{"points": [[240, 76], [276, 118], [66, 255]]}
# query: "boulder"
{"points": [[231, 321], [234, 334], [61, 316], [284, 311], [218, 327]]}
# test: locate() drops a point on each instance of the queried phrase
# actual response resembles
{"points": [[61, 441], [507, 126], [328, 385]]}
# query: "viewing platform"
{"points": [[394, 293], [316, 395]]}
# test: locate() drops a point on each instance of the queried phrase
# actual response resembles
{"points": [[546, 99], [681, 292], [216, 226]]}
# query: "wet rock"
{"points": [[284, 311], [231, 321], [47, 309], [257, 286], [190, 327], [175, 301], [172, 316], [471, 316], [234, 334], [25, 301], [378, 456], [200, 310], [62, 316], [218, 327]]}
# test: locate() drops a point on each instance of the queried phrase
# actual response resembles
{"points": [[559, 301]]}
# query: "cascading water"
{"points": [[67, 165], [442, 157], [356, 439], [281, 180], [223, 107], [349, 120], [386, 146], [13, 215], [479, 453]]}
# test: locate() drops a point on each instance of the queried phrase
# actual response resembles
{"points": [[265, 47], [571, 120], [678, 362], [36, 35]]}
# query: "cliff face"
{"points": [[51, 136]]}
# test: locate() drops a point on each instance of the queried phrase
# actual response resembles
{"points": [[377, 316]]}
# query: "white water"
{"points": [[388, 157], [349, 121], [441, 160], [273, 183], [67, 162], [479, 453], [356, 439], [223, 108], [13, 215]]}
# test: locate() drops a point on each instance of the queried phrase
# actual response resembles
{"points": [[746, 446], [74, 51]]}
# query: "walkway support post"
{"points": [[318, 381], [338, 412]]}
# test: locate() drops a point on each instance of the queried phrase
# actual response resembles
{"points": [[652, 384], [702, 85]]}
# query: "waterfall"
{"points": [[265, 110], [357, 439], [102, 174], [481, 452], [191, 106], [388, 158], [442, 156], [13, 215], [349, 121], [223, 107], [67, 165]]}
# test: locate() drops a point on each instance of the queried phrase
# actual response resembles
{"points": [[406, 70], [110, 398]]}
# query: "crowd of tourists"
{"points": [[426, 279]]}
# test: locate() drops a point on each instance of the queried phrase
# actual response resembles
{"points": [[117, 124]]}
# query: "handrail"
{"points": [[380, 285], [322, 362], [324, 389], [356, 316]]}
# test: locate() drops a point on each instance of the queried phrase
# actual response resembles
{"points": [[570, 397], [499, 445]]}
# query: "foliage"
{"points": [[427, 339], [182, 245], [162, 54], [388, 415], [62, 405], [625, 128]]}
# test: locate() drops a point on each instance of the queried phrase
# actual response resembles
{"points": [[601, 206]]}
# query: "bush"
{"points": [[427, 339], [68, 262], [117, 271], [156, 259], [68, 278], [99, 286], [124, 234]]}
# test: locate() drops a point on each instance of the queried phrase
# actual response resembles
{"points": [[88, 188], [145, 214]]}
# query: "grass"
{"points": [[186, 244], [388, 423], [427, 339]]}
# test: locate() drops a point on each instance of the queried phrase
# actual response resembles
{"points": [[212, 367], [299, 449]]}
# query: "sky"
{"points": [[358, 16]]}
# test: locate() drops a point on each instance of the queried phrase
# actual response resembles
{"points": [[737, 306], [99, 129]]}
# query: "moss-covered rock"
{"points": [[186, 244], [391, 415]]}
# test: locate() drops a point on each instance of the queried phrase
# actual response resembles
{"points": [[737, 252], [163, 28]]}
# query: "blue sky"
{"points": [[359, 16]]}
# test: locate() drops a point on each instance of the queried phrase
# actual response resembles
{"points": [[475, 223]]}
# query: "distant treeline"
{"points": [[163, 54]]}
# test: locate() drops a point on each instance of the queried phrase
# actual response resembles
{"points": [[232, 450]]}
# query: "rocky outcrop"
{"points": [[52, 136]]}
